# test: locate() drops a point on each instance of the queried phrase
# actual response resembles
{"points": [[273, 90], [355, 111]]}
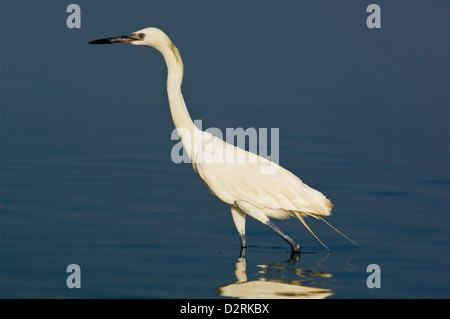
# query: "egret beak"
{"points": [[120, 39]]}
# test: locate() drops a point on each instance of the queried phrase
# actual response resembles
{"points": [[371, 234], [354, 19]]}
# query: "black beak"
{"points": [[120, 39]]}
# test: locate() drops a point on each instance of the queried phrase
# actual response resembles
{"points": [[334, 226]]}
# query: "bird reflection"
{"points": [[271, 288]]}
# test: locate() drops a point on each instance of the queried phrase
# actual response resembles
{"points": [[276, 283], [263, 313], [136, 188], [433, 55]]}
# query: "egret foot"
{"points": [[295, 247], [295, 255]]}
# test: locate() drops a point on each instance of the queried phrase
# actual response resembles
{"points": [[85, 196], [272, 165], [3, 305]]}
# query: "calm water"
{"points": [[86, 175]]}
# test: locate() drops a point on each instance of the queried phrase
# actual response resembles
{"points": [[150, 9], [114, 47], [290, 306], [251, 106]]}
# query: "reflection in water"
{"points": [[271, 288]]}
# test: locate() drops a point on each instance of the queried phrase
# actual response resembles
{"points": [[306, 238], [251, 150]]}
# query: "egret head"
{"points": [[152, 37]]}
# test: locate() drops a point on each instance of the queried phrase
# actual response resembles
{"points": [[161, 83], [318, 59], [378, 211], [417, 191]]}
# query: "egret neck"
{"points": [[180, 114]]}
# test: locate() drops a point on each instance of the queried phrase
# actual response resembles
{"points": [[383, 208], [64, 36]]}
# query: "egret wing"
{"points": [[234, 175]]}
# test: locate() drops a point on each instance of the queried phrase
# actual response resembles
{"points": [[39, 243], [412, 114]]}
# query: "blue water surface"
{"points": [[86, 175]]}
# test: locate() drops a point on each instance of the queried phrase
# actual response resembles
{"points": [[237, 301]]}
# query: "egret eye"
{"points": [[141, 36]]}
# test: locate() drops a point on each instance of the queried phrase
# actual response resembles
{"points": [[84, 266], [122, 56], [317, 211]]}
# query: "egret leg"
{"points": [[243, 241], [295, 247], [239, 222]]}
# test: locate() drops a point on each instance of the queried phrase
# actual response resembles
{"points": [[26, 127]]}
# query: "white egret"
{"points": [[250, 184]]}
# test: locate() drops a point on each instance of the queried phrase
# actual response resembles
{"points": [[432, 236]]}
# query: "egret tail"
{"points": [[307, 227], [338, 231]]}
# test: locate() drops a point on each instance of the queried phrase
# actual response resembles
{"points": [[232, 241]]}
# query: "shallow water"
{"points": [[86, 175]]}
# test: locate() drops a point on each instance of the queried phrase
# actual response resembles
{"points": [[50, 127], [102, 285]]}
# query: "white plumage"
{"points": [[250, 184], [257, 182]]}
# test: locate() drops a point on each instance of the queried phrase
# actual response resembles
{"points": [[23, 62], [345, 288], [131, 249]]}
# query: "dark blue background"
{"points": [[86, 175]]}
